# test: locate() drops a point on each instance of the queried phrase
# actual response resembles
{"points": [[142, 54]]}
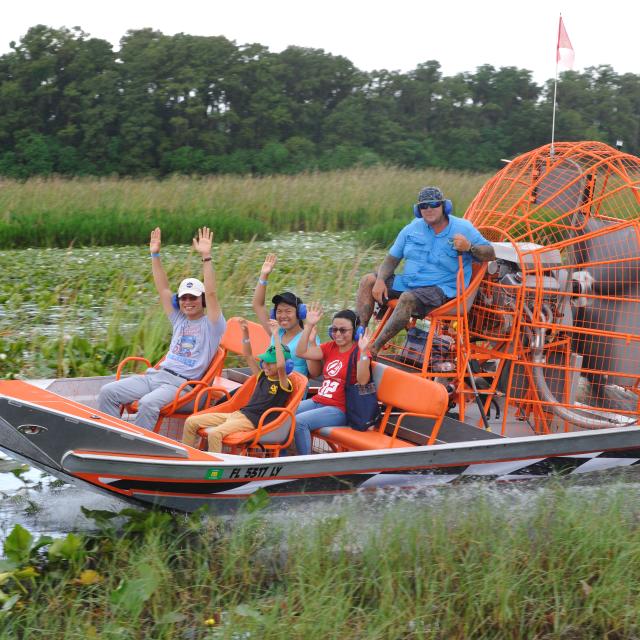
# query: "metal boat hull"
{"points": [[79, 444]]}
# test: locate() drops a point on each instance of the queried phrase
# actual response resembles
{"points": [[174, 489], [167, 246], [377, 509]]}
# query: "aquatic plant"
{"points": [[562, 562], [79, 311]]}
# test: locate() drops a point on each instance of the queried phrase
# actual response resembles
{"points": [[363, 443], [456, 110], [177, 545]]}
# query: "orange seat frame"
{"points": [[401, 391], [188, 391], [241, 442], [455, 310], [185, 393], [452, 317]]}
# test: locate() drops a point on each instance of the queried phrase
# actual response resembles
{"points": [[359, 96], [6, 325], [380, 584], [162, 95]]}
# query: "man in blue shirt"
{"points": [[430, 246]]}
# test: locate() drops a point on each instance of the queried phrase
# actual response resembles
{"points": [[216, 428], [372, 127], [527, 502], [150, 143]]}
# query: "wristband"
{"points": [[154, 255], [263, 282], [364, 357], [206, 259], [246, 340]]}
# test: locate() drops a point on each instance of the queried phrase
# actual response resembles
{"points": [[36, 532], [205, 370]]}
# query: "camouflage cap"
{"points": [[430, 194]]}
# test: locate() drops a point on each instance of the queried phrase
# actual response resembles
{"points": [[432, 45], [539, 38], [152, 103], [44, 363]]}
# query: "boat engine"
{"points": [[560, 305]]}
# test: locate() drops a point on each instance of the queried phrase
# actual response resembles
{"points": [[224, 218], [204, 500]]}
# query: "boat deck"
{"points": [[417, 430]]}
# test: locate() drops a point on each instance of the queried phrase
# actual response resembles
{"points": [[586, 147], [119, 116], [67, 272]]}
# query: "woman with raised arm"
{"points": [[327, 408], [289, 311]]}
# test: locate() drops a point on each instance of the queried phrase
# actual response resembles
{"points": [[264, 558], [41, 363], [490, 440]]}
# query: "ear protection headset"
{"points": [[447, 208], [356, 336], [301, 310], [175, 301], [358, 331], [289, 365]]}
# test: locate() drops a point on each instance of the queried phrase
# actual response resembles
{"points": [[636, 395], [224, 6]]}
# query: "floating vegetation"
{"points": [[79, 311]]}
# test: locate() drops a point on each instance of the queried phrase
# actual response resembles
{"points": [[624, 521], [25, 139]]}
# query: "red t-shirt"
{"points": [[335, 374]]}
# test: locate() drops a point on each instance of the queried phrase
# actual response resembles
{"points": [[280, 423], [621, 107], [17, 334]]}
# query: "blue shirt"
{"points": [[299, 364], [430, 258]]}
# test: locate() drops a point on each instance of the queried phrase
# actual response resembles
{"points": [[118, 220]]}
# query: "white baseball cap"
{"points": [[190, 286]]}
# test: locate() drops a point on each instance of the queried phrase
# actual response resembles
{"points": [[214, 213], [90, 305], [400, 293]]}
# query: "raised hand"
{"points": [[202, 243], [365, 340], [274, 326], [314, 313], [244, 326], [269, 264], [155, 241]]}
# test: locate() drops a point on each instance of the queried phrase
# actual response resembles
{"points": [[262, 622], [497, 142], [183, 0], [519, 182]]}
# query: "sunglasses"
{"points": [[333, 330], [429, 205]]}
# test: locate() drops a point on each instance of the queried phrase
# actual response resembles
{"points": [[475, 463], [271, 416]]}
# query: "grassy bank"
{"points": [[564, 563], [58, 212]]}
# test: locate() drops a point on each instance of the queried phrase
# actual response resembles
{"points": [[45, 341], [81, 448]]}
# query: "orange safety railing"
{"points": [[554, 328], [565, 325]]}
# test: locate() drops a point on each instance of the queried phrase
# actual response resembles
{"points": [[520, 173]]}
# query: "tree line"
{"points": [[71, 105]]}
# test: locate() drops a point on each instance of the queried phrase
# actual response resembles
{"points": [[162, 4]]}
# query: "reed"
{"points": [[90, 211], [564, 563]]}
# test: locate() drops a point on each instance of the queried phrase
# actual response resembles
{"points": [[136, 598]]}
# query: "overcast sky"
{"points": [[373, 34]]}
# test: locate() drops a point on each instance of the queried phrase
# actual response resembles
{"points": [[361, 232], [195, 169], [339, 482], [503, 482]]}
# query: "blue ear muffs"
{"points": [[448, 209], [289, 365], [175, 302], [301, 312], [356, 336]]}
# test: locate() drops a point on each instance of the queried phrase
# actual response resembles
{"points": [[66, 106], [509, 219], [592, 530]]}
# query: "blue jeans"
{"points": [[310, 416]]}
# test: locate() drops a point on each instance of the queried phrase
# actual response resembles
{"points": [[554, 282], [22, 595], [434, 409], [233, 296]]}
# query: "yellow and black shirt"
{"points": [[268, 393]]}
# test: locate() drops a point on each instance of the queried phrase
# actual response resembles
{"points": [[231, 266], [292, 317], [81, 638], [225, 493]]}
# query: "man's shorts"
{"points": [[427, 298]]}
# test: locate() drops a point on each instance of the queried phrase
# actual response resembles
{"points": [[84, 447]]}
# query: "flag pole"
{"points": [[564, 54], [553, 117], [555, 92]]}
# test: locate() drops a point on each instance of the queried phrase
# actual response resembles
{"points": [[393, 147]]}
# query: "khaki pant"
{"points": [[220, 425]]}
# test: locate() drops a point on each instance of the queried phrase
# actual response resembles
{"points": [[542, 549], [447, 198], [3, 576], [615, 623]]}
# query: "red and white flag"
{"points": [[564, 51]]}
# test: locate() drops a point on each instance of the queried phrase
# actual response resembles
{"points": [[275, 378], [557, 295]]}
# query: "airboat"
{"points": [[533, 369]]}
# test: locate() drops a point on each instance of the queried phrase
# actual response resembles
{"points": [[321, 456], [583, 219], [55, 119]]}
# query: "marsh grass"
{"points": [[58, 212], [565, 563]]}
